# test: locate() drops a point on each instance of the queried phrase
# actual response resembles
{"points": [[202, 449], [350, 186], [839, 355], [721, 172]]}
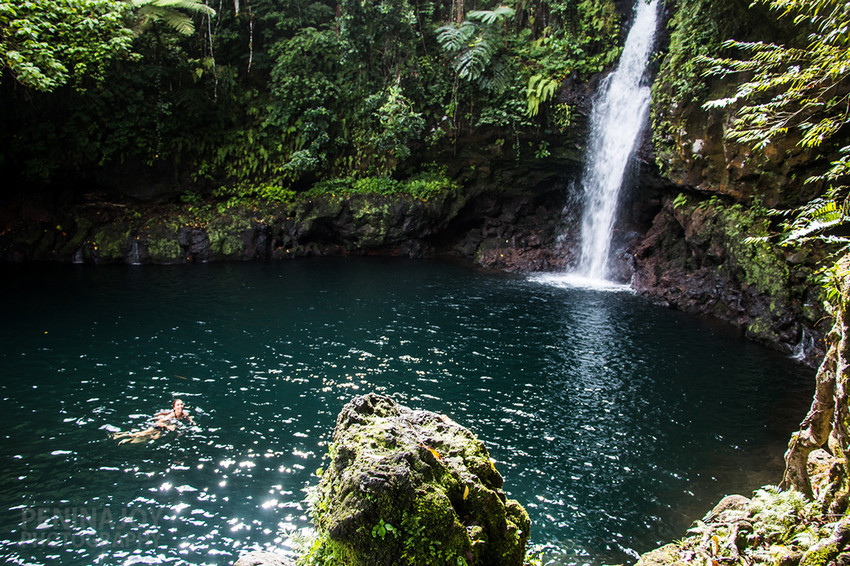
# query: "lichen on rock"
{"points": [[411, 487]]}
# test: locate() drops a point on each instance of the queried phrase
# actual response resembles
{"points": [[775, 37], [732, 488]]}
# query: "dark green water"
{"points": [[614, 421]]}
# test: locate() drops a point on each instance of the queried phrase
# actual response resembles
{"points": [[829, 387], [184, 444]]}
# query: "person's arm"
{"points": [[163, 420]]}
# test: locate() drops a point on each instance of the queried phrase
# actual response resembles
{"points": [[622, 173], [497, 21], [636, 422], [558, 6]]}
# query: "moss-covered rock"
{"points": [[411, 487], [703, 256], [689, 140]]}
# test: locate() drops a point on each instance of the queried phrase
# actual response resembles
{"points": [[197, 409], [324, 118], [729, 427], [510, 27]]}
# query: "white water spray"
{"points": [[618, 117]]}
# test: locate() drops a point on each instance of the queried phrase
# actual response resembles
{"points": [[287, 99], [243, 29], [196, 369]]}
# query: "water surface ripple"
{"points": [[614, 421]]}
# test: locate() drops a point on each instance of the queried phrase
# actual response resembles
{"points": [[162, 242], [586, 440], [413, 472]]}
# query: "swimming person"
{"points": [[163, 421], [168, 419]]}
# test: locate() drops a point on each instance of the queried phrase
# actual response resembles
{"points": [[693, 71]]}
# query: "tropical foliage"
{"points": [[46, 43], [283, 93], [800, 89], [176, 14]]}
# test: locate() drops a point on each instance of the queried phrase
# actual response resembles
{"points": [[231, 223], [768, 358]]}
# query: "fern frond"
{"points": [[475, 43], [172, 13], [756, 239], [498, 79], [453, 38], [193, 6], [816, 218], [540, 89], [491, 17]]}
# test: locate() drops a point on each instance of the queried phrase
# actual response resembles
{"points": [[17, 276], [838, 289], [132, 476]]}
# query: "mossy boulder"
{"points": [[412, 487]]}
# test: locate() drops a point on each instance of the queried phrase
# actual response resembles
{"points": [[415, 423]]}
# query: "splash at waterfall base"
{"points": [[412, 487]]}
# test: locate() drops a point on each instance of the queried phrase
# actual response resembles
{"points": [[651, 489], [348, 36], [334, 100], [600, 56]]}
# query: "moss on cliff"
{"points": [[689, 140], [714, 257]]}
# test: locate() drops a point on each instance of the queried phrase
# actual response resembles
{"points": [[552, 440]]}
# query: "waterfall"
{"points": [[619, 114], [134, 255]]}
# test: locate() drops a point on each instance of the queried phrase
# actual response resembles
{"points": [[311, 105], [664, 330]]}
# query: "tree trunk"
{"points": [[828, 420], [815, 428]]}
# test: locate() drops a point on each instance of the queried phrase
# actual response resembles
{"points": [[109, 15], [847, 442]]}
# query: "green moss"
{"points": [[225, 234], [160, 236], [762, 264], [820, 556], [396, 491], [741, 233], [110, 240]]}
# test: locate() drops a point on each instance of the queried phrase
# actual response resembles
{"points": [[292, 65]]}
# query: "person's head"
{"points": [[177, 407]]}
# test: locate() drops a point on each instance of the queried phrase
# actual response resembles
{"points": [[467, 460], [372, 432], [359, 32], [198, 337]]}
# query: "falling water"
{"points": [[134, 255], [619, 113]]}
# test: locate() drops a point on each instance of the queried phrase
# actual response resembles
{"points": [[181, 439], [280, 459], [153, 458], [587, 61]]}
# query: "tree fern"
{"points": [[172, 13], [474, 46]]}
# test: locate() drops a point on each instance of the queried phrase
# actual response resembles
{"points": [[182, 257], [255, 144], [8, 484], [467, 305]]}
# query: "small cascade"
{"points": [[804, 346], [134, 255], [618, 118]]}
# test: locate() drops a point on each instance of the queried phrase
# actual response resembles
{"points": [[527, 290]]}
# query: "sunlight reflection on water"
{"points": [[612, 420]]}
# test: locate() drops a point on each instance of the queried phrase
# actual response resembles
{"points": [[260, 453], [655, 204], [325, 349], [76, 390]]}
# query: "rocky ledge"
{"points": [[411, 487], [710, 257], [499, 229], [773, 528], [695, 256]]}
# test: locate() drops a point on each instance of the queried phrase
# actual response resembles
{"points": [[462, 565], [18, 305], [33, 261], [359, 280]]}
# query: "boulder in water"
{"points": [[412, 487]]}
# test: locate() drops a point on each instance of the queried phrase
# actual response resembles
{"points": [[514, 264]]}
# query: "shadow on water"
{"points": [[614, 421]]}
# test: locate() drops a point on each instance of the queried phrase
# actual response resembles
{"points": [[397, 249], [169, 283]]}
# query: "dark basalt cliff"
{"points": [[498, 228], [698, 254], [696, 258]]}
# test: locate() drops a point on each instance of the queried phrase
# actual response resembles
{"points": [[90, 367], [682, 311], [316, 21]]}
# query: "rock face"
{"points": [[498, 229], [700, 156], [690, 139], [696, 258], [412, 487]]}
